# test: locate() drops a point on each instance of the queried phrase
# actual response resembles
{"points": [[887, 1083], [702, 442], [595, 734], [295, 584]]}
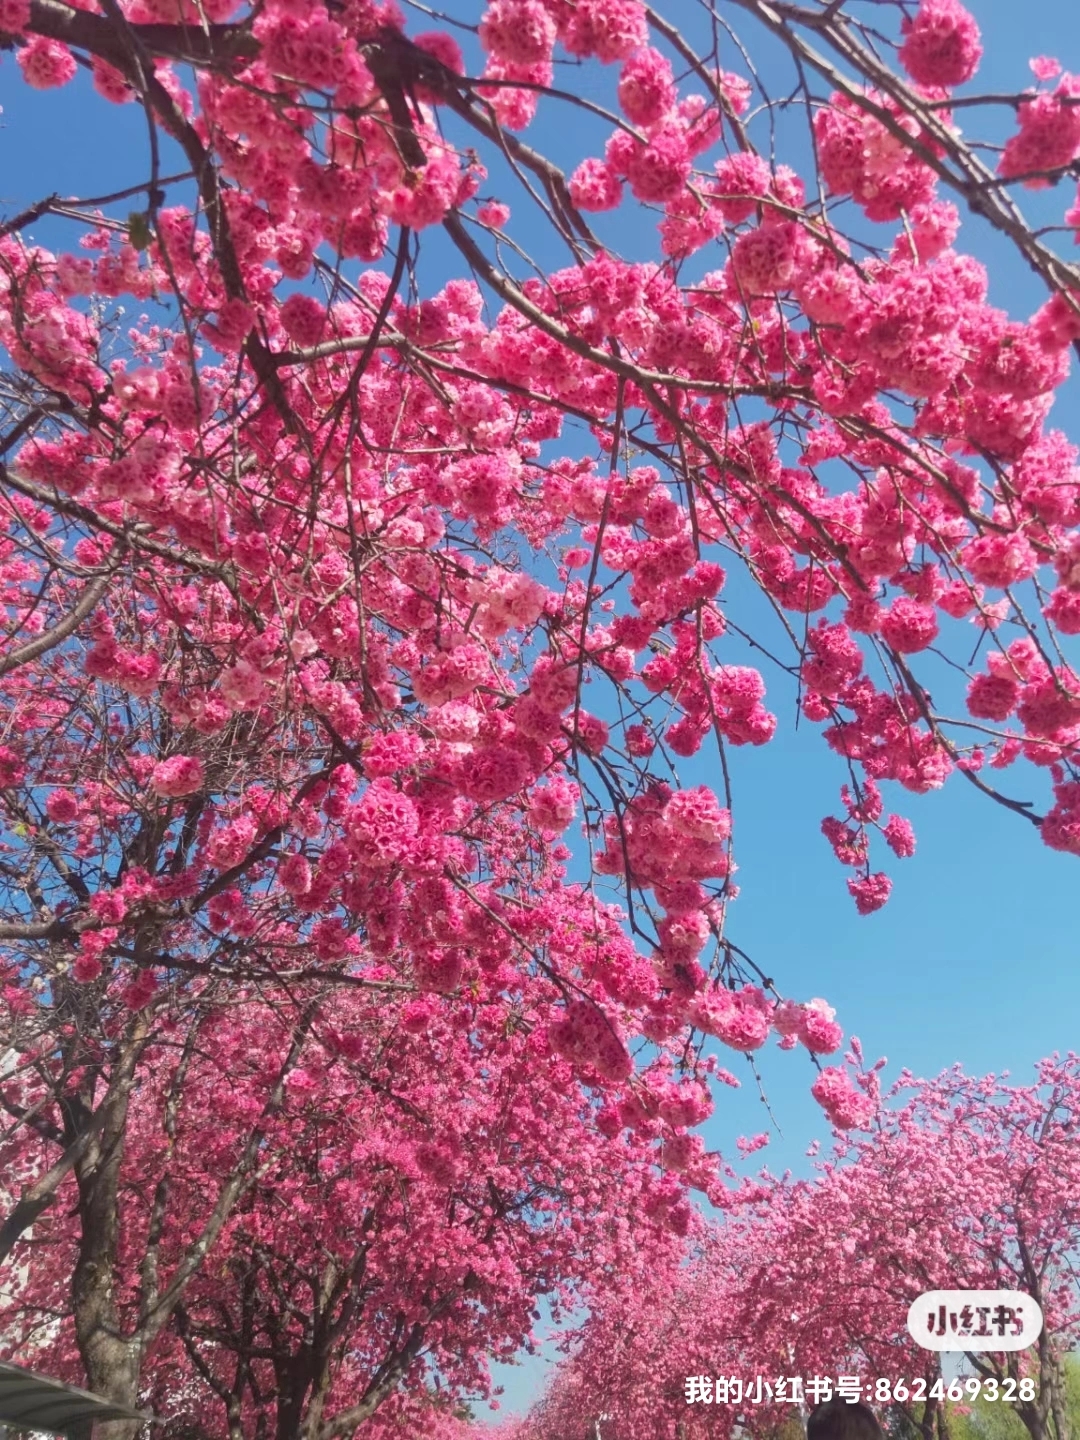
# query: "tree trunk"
{"points": [[293, 1382], [1052, 1388], [111, 1360], [1058, 1408], [942, 1422], [1033, 1412], [930, 1411], [119, 1382]]}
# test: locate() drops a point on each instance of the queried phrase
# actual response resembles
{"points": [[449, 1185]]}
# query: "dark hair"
{"points": [[842, 1420]]}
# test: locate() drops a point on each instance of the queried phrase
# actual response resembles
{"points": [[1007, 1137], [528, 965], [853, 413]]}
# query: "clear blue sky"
{"points": [[974, 959]]}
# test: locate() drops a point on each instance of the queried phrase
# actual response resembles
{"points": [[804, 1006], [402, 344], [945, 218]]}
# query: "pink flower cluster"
{"points": [[1049, 135], [847, 1107], [744, 1018], [179, 775], [589, 1037], [941, 47], [861, 157], [814, 1024]]}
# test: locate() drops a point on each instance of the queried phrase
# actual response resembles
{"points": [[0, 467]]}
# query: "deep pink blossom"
{"points": [[46, 63], [179, 775], [941, 45]]}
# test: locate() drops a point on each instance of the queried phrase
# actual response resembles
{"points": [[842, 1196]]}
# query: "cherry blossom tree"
{"points": [[965, 1183], [293, 1224], [335, 597], [961, 1183]]}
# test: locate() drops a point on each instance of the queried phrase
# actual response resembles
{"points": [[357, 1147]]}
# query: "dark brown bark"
{"points": [[112, 1361], [928, 1419]]}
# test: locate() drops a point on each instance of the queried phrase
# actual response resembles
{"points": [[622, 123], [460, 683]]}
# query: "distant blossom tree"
{"points": [[335, 597], [962, 1183], [286, 1227]]}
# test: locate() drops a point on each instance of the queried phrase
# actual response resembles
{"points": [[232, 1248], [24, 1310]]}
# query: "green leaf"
{"points": [[139, 233]]}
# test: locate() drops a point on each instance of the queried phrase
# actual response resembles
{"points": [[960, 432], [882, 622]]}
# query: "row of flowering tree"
{"points": [[955, 1183], [335, 597], [279, 1225]]}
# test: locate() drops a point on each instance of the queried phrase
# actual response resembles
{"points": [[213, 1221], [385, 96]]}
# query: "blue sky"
{"points": [[974, 959]]}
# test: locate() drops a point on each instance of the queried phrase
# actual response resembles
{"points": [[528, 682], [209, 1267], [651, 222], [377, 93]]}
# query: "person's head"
{"points": [[842, 1420]]}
